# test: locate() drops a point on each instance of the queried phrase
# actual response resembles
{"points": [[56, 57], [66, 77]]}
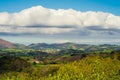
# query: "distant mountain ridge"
{"points": [[6, 44], [61, 46], [68, 45], [54, 46]]}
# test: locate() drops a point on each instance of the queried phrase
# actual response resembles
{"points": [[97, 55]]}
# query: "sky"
{"points": [[59, 21]]}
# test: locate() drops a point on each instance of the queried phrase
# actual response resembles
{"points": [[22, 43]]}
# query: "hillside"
{"points": [[68, 45], [53, 46], [6, 44], [59, 46]]}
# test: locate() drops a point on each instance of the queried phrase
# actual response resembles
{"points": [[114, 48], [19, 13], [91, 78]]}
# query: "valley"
{"points": [[44, 61]]}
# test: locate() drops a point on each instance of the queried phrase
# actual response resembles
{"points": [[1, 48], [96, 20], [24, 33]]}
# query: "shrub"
{"points": [[12, 63]]}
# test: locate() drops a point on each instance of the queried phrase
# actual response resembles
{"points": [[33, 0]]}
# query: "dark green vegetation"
{"points": [[12, 63], [66, 61], [18, 64]]}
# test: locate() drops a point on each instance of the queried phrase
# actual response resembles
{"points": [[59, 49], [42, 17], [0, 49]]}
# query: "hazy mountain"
{"points": [[6, 44], [62, 46], [68, 45], [53, 46]]}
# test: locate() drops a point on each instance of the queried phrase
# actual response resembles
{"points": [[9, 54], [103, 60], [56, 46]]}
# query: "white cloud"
{"points": [[23, 30], [26, 20]]}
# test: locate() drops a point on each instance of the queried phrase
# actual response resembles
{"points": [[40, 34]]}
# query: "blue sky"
{"points": [[112, 6], [79, 21]]}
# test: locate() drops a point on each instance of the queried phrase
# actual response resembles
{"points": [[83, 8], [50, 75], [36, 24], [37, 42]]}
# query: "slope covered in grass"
{"points": [[89, 68]]}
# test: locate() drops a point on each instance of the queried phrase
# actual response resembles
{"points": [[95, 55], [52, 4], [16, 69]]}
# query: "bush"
{"points": [[12, 63], [90, 68]]}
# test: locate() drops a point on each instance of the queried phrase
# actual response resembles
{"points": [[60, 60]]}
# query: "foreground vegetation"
{"points": [[103, 66]]}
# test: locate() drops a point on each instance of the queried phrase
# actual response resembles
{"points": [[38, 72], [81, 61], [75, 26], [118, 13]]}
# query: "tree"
{"points": [[12, 63]]}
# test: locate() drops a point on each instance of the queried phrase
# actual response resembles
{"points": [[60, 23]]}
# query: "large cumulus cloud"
{"points": [[50, 21]]}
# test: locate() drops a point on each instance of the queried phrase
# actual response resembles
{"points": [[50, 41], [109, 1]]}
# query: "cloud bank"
{"points": [[40, 20]]}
